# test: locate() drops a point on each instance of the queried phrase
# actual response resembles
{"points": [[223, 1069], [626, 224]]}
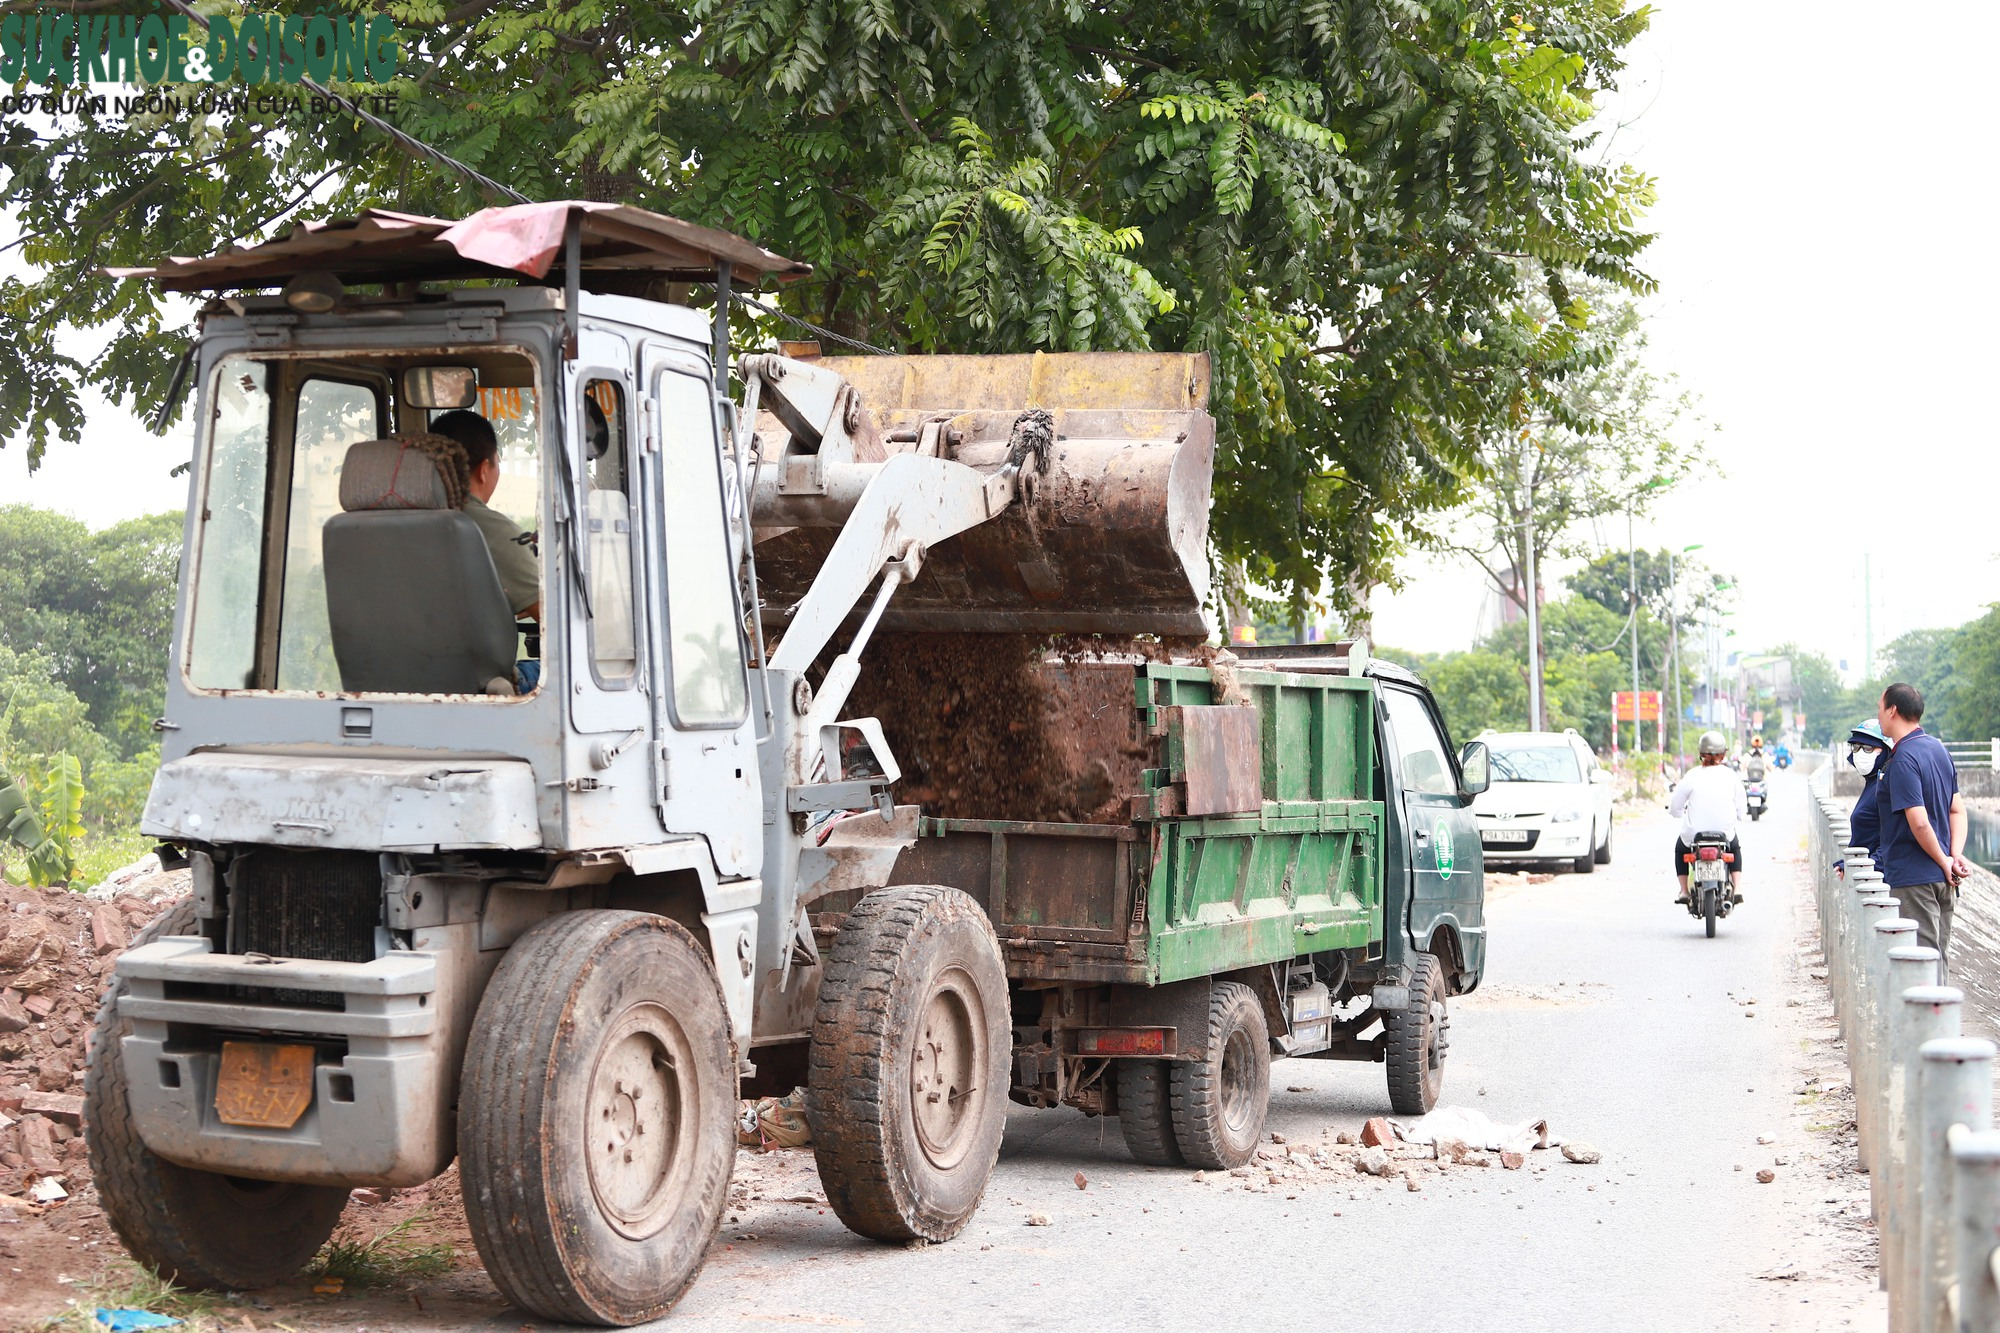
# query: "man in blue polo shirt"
{"points": [[1923, 819]]}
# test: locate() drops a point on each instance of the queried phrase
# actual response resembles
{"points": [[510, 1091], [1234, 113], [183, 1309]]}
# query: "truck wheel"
{"points": [[911, 1047], [1219, 1102], [1604, 852], [1145, 1112], [596, 1117], [196, 1228], [1415, 1039]]}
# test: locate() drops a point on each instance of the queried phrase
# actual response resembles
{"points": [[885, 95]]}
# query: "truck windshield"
{"points": [[281, 437], [1535, 763]]}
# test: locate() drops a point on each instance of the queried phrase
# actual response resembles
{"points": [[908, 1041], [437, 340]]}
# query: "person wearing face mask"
{"points": [[1868, 754]]}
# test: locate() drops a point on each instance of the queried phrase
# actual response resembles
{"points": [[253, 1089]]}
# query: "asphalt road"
{"points": [[1605, 1011]]}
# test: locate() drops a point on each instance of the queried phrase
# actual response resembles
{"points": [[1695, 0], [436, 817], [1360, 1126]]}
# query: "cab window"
{"points": [[1421, 753], [606, 431], [704, 643], [331, 414], [280, 436]]}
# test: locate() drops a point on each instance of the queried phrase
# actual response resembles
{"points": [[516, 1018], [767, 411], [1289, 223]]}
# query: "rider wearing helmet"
{"points": [[1709, 799], [1868, 749]]}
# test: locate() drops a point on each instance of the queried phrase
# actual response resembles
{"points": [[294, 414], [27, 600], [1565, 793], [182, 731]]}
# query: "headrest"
{"points": [[390, 474]]}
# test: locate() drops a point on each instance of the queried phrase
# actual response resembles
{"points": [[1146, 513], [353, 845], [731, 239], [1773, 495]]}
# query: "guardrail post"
{"points": [[1957, 1089], [1890, 938], [1976, 1195], [1871, 1016], [1861, 886], [1926, 1014], [1912, 970]]}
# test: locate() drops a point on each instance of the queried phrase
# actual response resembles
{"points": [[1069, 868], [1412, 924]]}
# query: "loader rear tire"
{"points": [[195, 1228], [1219, 1102], [1415, 1040], [911, 1049], [1146, 1113], [596, 1122]]}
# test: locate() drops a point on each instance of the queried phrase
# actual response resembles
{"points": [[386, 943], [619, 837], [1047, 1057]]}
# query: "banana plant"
{"points": [[45, 819]]}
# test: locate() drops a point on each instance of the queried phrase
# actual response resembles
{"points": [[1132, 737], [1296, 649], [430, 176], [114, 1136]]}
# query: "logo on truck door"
{"points": [[1441, 834]]}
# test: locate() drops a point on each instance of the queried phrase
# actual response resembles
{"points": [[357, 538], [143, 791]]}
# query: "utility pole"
{"points": [[1867, 617], [1674, 630], [1632, 580], [1534, 620]]}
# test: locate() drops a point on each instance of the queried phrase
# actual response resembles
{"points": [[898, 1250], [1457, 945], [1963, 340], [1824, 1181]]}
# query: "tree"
{"points": [[97, 607], [1341, 201], [1597, 442], [1829, 706]]}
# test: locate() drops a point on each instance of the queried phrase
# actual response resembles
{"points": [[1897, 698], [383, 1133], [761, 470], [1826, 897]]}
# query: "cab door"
{"points": [[1445, 863], [707, 739]]}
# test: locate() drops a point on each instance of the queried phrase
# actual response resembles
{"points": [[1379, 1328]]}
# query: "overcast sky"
{"points": [[1826, 264], [1827, 269]]}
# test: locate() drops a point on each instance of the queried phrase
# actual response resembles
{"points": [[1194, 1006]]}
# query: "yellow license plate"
{"points": [[264, 1085]]}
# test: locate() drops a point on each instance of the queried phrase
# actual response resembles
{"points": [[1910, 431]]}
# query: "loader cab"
{"points": [[332, 554], [342, 595]]}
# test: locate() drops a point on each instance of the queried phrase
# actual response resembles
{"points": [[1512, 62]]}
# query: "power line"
{"points": [[810, 327]]}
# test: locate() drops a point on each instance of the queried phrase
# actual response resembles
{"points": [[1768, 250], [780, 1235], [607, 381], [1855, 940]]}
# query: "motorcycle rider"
{"points": [[1753, 766], [1868, 754], [1709, 799]]}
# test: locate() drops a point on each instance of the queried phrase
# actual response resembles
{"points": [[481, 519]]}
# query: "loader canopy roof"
{"points": [[621, 247]]}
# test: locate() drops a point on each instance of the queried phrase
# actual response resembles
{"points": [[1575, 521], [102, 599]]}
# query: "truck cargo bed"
{"points": [[1247, 833]]}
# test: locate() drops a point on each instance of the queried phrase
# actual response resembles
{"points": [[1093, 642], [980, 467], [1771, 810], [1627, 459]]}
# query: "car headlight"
{"points": [[1566, 816]]}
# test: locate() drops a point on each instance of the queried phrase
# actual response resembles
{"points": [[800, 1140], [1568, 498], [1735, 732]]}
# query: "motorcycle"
{"points": [[1754, 796], [1709, 879], [1709, 860], [1783, 758]]}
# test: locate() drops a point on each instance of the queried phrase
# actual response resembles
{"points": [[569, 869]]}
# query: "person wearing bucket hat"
{"points": [[1868, 754]]}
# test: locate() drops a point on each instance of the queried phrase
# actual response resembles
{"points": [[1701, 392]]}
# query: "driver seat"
{"points": [[412, 598]]}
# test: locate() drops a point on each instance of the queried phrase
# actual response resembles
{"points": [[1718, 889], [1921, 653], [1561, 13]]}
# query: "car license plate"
{"points": [[1504, 835], [263, 1084]]}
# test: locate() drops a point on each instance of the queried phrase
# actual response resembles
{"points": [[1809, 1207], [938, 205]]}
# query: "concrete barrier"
{"points": [[1923, 1094]]}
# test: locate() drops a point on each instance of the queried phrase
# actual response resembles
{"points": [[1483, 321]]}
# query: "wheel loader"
{"points": [[542, 882]]}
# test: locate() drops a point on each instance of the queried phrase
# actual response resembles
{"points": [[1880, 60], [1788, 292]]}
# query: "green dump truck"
{"points": [[1296, 873]]}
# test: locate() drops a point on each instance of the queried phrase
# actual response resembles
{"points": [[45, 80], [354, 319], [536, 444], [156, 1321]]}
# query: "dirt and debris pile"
{"points": [[56, 950], [1010, 726]]}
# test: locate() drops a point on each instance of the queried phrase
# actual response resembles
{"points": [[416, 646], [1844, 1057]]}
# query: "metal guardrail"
{"points": [[1975, 754], [1923, 1096]]}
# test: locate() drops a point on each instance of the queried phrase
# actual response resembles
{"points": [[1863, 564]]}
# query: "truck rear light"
{"points": [[1123, 1041]]}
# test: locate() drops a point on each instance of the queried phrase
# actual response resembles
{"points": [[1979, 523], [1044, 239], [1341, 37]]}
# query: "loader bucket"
{"points": [[1113, 539]]}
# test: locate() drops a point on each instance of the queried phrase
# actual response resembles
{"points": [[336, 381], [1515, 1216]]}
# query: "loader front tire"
{"points": [[1146, 1113], [1219, 1102], [195, 1228], [908, 1073], [596, 1123], [1415, 1040]]}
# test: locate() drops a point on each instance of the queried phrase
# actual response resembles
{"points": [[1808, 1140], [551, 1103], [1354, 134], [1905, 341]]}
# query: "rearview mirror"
{"points": [[439, 388], [1600, 775], [1475, 768]]}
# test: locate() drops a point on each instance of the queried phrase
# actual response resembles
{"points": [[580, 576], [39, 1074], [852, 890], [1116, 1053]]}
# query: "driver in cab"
{"points": [[513, 550]]}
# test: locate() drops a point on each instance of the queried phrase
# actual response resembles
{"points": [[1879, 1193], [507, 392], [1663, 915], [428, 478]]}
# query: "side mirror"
{"points": [[1600, 775], [436, 388], [1476, 769]]}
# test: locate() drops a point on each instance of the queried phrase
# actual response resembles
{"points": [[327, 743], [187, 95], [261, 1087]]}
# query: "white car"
{"points": [[1550, 801]]}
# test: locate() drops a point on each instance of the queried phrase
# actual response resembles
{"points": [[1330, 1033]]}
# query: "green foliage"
{"points": [[383, 1258], [42, 813], [98, 609], [1341, 201], [1487, 685], [1601, 439]]}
